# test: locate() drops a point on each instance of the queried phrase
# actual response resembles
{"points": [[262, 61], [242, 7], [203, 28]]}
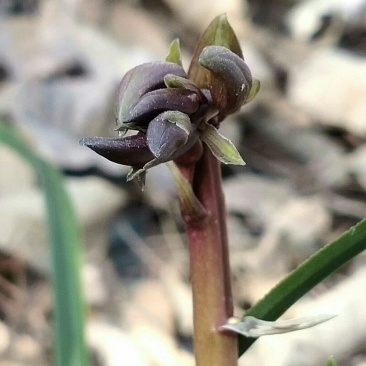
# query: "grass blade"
{"points": [[65, 249], [306, 276]]}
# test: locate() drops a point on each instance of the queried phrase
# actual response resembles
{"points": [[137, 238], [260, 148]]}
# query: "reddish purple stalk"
{"points": [[210, 270]]}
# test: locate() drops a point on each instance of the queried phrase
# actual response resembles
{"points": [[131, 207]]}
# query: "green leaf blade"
{"points": [[305, 277], [65, 250], [66, 264]]}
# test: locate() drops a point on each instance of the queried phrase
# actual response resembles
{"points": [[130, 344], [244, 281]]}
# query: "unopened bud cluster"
{"points": [[171, 113]]}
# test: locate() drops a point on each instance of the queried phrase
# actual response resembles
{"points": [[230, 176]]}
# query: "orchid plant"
{"points": [[175, 117], [173, 112]]}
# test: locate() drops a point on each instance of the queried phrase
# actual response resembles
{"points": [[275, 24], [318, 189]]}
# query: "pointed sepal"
{"points": [[256, 85], [174, 54], [221, 147], [219, 33], [331, 361]]}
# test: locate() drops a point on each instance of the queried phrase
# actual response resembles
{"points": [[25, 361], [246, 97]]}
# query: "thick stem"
{"points": [[210, 271]]}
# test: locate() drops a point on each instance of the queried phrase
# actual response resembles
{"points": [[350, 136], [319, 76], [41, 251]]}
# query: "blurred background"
{"points": [[303, 139]]}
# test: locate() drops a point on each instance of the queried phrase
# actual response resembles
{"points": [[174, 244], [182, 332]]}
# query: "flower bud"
{"points": [[169, 136], [168, 133], [139, 81], [160, 100], [131, 150], [176, 113], [231, 79]]}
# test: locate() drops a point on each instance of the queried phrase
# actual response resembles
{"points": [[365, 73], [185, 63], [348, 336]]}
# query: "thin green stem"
{"points": [[210, 271]]}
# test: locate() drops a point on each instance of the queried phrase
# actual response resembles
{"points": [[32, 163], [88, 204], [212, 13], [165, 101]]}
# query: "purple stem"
{"points": [[210, 270]]}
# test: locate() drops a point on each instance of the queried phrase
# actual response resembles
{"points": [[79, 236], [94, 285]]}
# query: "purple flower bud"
{"points": [[231, 79], [160, 100], [168, 134], [139, 81], [131, 150], [174, 113]]}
